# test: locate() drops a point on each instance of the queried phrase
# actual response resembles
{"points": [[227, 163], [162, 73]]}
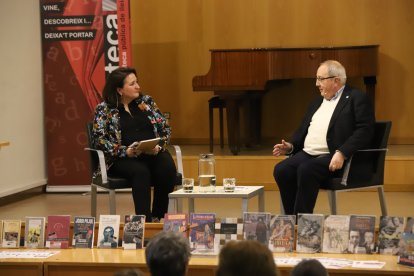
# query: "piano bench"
{"points": [[216, 102]]}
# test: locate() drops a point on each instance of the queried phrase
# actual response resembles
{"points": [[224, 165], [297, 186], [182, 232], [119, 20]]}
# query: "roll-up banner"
{"points": [[82, 42]]}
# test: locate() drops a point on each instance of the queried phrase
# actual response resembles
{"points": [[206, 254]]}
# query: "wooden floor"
{"points": [[37, 203]]}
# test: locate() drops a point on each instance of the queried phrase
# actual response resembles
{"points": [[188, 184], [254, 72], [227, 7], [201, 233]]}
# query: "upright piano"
{"points": [[241, 77]]}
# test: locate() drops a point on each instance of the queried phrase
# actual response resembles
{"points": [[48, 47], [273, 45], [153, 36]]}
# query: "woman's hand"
{"points": [[155, 150], [131, 152]]}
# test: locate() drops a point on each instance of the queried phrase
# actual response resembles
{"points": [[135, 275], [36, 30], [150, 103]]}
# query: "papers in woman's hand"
{"points": [[145, 145]]}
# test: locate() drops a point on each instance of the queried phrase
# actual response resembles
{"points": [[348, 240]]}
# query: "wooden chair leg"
{"points": [[93, 200], [332, 201], [383, 204]]}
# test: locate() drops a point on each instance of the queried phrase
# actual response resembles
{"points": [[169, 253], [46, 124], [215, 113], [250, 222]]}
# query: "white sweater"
{"points": [[315, 141]]}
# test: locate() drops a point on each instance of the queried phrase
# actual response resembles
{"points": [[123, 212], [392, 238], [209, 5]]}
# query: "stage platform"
{"points": [[254, 166]]}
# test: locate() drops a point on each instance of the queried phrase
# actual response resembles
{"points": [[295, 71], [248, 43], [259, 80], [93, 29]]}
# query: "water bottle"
{"points": [[206, 173]]}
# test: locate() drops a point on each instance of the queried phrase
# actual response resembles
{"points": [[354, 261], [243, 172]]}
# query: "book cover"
{"points": [[177, 223], [83, 232], [361, 234], [256, 226], [108, 231], [202, 232], [389, 234], [11, 233], [406, 249], [57, 235], [34, 232], [310, 233], [229, 229], [335, 234], [409, 225], [282, 233], [134, 228]]}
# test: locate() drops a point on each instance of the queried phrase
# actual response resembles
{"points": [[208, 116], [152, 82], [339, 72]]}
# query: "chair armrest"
{"points": [[102, 164], [179, 158], [347, 167]]}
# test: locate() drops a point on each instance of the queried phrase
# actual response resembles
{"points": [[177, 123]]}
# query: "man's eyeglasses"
{"points": [[322, 79]]}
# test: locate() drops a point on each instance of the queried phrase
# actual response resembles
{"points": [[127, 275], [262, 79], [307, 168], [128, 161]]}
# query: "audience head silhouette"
{"points": [[246, 258], [309, 267], [168, 254]]}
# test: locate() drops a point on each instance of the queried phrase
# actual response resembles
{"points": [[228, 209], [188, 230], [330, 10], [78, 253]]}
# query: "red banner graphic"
{"points": [[82, 42]]}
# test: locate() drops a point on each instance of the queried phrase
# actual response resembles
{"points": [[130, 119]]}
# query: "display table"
{"points": [[104, 262], [243, 192]]}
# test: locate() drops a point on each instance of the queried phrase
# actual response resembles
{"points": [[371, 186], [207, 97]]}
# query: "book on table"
{"points": [[409, 225], [229, 229], [389, 234], [134, 229], [310, 233], [176, 222], [361, 234], [108, 231], [11, 233], [34, 232], [282, 233], [83, 232], [256, 226], [406, 249], [335, 234], [202, 234], [57, 235]]}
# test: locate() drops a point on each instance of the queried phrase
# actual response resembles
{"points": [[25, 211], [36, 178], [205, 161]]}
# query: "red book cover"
{"points": [[58, 231]]}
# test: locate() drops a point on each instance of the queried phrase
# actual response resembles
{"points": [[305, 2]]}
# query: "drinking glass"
{"points": [[229, 184], [188, 185]]}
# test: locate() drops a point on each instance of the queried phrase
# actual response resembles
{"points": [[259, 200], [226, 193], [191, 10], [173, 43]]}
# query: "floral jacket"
{"points": [[107, 133]]}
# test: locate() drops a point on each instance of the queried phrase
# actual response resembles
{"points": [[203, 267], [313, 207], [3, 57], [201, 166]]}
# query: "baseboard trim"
{"points": [[29, 186], [76, 189]]}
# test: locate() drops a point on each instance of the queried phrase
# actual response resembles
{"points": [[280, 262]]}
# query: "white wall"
{"points": [[22, 164]]}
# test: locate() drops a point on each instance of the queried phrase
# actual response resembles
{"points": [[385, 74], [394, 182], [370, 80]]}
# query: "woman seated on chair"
{"points": [[125, 116]]}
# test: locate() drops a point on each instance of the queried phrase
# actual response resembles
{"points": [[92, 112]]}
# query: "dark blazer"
{"points": [[351, 127]]}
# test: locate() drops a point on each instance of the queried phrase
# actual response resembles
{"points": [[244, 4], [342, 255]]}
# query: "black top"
{"points": [[135, 126]]}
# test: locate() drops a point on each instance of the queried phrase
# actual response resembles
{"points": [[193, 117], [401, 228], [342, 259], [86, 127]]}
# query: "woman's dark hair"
{"points": [[114, 81]]}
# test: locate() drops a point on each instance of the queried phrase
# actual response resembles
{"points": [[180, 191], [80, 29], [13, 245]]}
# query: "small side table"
{"points": [[243, 192]]}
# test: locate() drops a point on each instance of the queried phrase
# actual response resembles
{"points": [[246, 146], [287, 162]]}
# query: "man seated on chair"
{"points": [[336, 125]]}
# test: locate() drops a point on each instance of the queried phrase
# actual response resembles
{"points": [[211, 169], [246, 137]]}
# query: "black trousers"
{"points": [[299, 178], [143, 172]]}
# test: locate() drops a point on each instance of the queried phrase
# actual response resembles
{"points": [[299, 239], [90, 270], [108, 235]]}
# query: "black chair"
{"points": [[216, 102], [111, 184], [364, 170]]}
